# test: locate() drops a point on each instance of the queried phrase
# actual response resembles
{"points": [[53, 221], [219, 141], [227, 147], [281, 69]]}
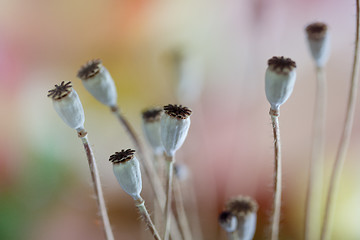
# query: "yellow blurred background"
{"points": [[45, 190]]}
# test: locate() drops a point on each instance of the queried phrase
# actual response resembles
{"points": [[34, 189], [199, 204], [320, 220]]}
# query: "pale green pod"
{"points": [[151, 129], [67, 104], [175, 123], [280, 79], [245, 209], [126, 168], [319, 42], [98, 81]]}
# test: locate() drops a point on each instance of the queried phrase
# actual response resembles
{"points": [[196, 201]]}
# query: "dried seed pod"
{"points": [[151, 128], [98, 81], [319, 42], [228, 221], [175, 123], [67, 104], [244, 208], [280, 79], [126, 168]]}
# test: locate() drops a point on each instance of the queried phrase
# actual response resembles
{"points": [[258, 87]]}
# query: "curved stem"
{"points": [[170, 164], [345, 136], [96, 184], [140, 204], [278, 175], [314, 185]]}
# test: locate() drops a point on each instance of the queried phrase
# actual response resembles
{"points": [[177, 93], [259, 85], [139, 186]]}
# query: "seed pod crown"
{"points": [[177, 111], [90, 69], [316, 31], [152, 114], [60, 91], [241, 206], [122, 157], [281, 64]]}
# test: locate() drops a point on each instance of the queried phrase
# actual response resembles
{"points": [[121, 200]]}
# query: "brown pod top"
{"points": [[90, 69], [122, 157], [177, 111], [316, 31], [61, 91]]}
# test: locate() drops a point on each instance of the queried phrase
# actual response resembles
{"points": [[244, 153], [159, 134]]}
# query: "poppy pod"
{"points": [[151, 128], [98, 81], [126, 168], [280, 79], [67, 104], [175, 123], [319, 42], [244, 208]]}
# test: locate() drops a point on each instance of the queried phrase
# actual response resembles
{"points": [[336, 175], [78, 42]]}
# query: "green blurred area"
{"points": [[36, 191]]}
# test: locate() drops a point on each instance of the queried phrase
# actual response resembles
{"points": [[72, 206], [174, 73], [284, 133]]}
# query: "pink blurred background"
{"points": [[45, 190]]}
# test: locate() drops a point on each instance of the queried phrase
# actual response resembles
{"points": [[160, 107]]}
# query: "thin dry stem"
{"points": [[97, 185], [170, 170], [179, 203], [140, 204], [314, 187], [345, 137], [277, 177], [159, 164], [149, 170]]}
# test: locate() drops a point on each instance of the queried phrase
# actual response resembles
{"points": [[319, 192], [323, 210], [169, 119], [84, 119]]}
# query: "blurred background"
{"points": [[221, 48]]}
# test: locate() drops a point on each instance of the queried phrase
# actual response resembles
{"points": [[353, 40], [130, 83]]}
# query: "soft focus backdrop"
{"points": [[45, 190]]}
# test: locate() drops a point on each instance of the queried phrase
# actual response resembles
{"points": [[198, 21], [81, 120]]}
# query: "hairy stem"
{"points": [[314, 186], [140, 204], [96, 184], [345, 136], [278, 176], [170, 170]]}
